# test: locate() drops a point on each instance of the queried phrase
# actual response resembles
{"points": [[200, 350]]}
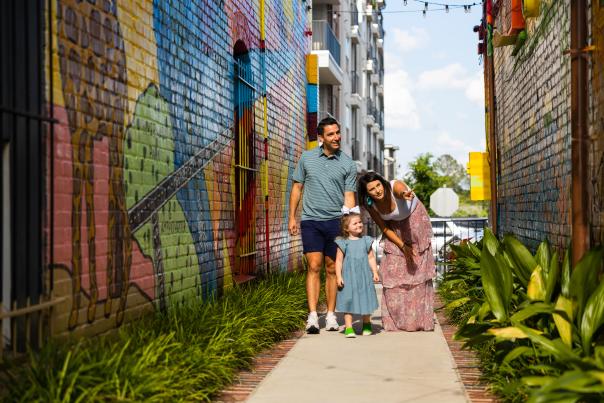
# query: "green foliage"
{"points": [[542, 342], [423, 178], [188, 354]]}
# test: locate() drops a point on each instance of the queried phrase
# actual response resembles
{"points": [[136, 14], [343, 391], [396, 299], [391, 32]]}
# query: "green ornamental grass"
{"points": [[189, 353]]}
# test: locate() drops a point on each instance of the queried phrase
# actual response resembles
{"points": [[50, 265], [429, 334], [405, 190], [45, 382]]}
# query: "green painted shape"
{"points": [[148, 159]]}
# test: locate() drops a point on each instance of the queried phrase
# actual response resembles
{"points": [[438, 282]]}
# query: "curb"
{"points": [[466, 361], [247, 380]]}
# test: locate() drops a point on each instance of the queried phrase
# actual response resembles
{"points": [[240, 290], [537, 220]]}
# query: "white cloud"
{"points": [[400, 107], [458, 149], [475, 89], [406, 40], [454, 76]]}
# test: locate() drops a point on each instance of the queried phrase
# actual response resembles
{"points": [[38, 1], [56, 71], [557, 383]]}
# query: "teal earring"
{"points": [[369, 201]]}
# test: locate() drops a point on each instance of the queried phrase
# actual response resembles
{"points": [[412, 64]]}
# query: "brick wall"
{"points": [[144, 190], [597, 125], [533, 130]]}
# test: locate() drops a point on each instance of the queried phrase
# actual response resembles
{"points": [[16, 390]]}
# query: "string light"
{"points": [[424, 13], [447, 8], [425, 6], [404, 2]]}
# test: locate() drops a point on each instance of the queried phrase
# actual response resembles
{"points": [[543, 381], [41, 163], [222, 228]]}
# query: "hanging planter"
{"points": [[530, 8]]}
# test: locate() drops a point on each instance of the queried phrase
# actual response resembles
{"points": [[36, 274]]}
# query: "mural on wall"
{"points": [[93, 77], [145, 155]]}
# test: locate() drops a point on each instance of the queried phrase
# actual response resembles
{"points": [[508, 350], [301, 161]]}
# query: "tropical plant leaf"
{"points": [[593, 317], [518, 272], [470, 330], [537, 380], [564, 326], [542, 256], [520, 256], [517, 352], [554, 347], [584, 280], [510, 332], [532, 310], [458, 302], [536, 286], [492, 283], [551, 279], [490, 242], [565, 277]]}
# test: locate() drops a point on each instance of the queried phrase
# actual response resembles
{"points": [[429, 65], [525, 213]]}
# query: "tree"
{"points": [[454, 172], [423, 178]]}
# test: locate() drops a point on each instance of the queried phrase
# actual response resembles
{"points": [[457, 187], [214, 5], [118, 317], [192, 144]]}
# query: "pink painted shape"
{"points": [[141, 272]]}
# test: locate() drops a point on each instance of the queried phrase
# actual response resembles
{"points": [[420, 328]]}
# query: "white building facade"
{"points": [[348, 37]]}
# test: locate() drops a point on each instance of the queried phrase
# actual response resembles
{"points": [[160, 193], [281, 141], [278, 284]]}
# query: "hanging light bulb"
{"points": [[426, 6], [404, 2], [424, 13], [446, 8], [469, 9]]}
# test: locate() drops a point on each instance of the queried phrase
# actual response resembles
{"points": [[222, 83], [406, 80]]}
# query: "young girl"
{"points": [[355, 263]]}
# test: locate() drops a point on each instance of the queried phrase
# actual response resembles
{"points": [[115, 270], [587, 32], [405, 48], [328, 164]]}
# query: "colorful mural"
{"points": [[145, 154]]}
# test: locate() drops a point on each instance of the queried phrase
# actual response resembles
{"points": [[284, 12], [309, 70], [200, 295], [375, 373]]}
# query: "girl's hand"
{"points": [[376, 277], [340, 281]]}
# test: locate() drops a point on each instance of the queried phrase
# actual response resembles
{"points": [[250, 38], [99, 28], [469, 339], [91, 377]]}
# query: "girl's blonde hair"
{"points": [[344, 224]]}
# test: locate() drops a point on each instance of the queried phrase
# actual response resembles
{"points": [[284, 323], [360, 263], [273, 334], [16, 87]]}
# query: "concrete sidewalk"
{"points": [[384, 367]]}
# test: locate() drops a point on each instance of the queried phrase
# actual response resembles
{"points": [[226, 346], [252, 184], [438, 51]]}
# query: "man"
{"points": [[327, 178]]}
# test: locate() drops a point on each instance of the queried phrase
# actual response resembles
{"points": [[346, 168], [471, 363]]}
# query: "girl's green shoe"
{"points": [[367, 329], [349, 333]]}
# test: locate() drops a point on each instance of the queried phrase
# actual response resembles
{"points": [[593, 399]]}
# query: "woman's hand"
{"points": [[408, 194], [340, 281], [408, 251], [376, 277]]}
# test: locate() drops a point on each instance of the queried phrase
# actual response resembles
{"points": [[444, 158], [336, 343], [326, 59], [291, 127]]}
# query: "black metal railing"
{"points": [[323, 38], [447, 231]]}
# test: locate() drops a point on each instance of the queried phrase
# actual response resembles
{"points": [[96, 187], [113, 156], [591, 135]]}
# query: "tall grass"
{"points": [[188, 354]]}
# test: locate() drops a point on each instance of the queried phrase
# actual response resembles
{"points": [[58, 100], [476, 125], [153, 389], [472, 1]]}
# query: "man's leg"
{"points": [[331, 287], [313, 279]]}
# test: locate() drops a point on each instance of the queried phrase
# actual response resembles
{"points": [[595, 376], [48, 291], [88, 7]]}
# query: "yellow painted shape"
{"points": [[227, 281], [312, 69], [480, 179], [136, 24], [530, 8], [311, 144], [57, 93]]}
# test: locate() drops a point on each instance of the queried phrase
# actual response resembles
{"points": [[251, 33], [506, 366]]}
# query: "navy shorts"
{"points": [[318, 236]]}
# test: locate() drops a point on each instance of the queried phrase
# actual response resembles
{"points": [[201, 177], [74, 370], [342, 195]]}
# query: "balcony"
{"points": [[327, 47], [369, 12], [370, 65], [375, 29], [354, 34], [356, 150], [375, 78], [380, 90], [380, 44]]}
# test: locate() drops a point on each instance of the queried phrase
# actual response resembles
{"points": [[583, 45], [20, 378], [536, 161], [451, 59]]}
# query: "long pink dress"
{"points": [[408, 293]]}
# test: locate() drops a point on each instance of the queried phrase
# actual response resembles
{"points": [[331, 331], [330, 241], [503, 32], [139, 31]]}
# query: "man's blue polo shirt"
{"points": [[325, 180]]}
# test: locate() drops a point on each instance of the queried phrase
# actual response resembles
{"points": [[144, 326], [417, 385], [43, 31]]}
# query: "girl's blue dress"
{"points": [[358, 294]]}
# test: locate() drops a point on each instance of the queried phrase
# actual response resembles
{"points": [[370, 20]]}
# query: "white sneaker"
{"points": [[331, 323], [312, 324]]}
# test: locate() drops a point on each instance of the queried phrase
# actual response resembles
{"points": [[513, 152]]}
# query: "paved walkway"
{"points": [[384, 367]]}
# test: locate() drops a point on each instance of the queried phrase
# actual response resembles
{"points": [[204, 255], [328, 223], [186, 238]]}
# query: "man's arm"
{"points": [[349, 199], [294, 200]]}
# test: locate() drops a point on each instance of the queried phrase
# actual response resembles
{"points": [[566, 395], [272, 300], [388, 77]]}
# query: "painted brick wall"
{"points": [[144, 191], [597, 125], [533, 130]]}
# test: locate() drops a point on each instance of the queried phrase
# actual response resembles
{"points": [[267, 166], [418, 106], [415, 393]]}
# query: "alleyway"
{"points": [[385, 367]]}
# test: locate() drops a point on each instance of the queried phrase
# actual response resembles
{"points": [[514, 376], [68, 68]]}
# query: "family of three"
{"points": [[325, 179]]}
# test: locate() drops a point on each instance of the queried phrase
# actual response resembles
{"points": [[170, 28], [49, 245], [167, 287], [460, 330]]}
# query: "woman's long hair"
{"points": [[364, 199]]}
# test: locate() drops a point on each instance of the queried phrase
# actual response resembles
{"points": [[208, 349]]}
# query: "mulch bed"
{"points": [[466, 361]]}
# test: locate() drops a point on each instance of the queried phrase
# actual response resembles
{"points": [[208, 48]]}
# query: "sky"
{"points": [[433, 82]]}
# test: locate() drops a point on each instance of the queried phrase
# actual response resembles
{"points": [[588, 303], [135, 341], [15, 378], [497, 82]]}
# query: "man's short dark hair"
{"points": [[328, 121]]}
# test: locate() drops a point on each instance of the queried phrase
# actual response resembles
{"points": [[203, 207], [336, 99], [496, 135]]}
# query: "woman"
{"points": [[407, 268]]}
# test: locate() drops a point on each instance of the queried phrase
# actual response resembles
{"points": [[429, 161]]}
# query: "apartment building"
{"points": [[348, 38]]}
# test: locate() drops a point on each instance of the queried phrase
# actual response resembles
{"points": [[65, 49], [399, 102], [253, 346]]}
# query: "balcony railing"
{"points": [[354, 16], [323, 38]]}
